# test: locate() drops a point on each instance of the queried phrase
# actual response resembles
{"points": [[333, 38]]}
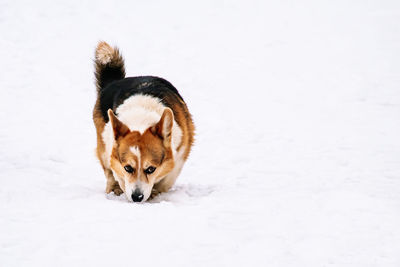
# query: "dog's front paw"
{"points": [[117, 190], [108, 190], [114, 187], [154, 193]]}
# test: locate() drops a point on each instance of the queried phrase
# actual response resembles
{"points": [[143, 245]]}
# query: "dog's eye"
{"points": [[128, 168], [150, 170]]}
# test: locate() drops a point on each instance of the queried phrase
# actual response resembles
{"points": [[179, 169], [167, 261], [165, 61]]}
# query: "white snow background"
{"points": [[297, 157]]}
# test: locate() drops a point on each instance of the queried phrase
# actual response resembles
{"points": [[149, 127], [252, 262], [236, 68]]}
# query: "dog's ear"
{"points": [[163, 128], [119, 129]]}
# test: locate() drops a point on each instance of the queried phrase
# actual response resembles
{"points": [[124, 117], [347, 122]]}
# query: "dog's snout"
{"points": [[137, 196]]}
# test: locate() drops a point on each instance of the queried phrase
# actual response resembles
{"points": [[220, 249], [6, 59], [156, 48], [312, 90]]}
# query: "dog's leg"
{"points": [[112, 185], [154, 193], [168, 181], [164, 185]]}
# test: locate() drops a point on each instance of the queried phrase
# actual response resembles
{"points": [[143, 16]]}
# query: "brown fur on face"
{"points": [[140, 151]]}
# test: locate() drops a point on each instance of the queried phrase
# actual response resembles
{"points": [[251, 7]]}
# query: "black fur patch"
{"points": [[115, 93]]}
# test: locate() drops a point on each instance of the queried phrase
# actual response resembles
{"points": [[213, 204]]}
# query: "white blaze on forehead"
{"points": [[135, 151]]}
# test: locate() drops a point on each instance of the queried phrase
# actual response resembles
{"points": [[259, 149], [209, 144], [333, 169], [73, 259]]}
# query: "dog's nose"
{"points": [[137, 196]]}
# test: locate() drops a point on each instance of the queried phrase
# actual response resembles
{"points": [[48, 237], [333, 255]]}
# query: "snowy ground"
{"points": [[297, 159]]}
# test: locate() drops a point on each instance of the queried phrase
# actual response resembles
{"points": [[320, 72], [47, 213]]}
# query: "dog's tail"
{"points": [[109, 65]]}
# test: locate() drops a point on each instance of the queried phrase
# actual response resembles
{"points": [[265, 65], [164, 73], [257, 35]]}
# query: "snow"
{"points": [[297, 157]]}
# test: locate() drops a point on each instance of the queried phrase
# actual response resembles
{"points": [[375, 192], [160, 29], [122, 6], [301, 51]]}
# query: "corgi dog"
{"points": [[144, 129]]}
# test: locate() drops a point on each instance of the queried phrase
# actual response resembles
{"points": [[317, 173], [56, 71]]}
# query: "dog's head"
{"points": [[139, 160]]}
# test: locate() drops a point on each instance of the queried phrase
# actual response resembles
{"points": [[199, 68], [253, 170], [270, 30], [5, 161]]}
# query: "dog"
{"points": [[144, 129]]}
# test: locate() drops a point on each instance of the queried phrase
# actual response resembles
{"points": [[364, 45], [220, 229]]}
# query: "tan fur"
{"points": [[184, 119]]}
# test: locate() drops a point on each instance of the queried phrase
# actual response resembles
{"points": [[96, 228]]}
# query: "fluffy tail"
{"points": [[109, 65]]}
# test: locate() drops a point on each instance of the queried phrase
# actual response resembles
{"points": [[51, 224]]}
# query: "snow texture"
{"points": [[297, 157]]}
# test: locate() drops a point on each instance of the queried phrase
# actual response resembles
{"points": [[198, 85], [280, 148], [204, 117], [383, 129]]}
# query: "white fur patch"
{"points": [[135, 151]]}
